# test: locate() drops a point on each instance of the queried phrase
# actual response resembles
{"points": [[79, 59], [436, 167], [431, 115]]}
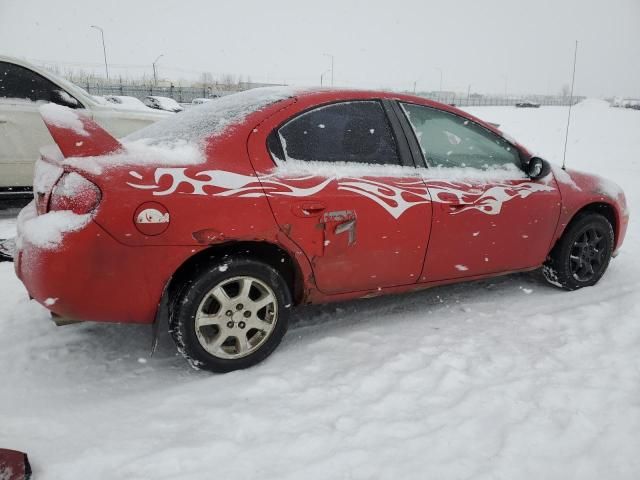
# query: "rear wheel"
{"points": [[232, 316], [582, 255]]}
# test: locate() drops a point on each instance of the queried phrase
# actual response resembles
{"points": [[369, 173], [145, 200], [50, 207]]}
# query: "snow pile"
{"points": [[63, 117], [211, 118], [164, 103], [124, 102], [47, 230]]}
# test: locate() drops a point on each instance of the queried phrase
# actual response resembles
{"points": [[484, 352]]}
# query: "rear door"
{"points": [[488, 216], [346, 191]]}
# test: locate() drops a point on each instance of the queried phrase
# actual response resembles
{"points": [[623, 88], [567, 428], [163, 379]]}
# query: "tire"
{"points": [[582, 254], [230, 316]]}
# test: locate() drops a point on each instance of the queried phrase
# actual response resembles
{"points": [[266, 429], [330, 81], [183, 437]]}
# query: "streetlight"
{"points": [[331, 56], [155, 75], [104, 49], [322, 76]]}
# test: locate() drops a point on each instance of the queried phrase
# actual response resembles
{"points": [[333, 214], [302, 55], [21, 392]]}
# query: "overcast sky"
{"points": [[526, 46]]}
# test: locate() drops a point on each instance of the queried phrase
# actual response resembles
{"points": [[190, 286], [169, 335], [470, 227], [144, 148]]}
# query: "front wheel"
{"points": [[231, 316], [582, 254]]}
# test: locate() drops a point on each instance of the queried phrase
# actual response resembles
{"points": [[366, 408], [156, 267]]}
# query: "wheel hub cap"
{"points": [[236, 317], [587, 254]]}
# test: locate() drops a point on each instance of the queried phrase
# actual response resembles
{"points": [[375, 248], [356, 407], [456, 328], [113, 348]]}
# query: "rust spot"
{"points": [[208, 235]]}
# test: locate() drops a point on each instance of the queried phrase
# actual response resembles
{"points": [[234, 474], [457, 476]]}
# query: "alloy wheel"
{"points": [[236, 317], [588, 254]]}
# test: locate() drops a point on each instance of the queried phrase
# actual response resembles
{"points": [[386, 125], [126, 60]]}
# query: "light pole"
{"points": [[322, 76], [104, 49], [155, 75], [468, 94], [331, 56]]}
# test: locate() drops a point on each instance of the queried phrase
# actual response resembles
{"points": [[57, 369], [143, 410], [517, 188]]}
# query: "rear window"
{"points": [[198, 123]]}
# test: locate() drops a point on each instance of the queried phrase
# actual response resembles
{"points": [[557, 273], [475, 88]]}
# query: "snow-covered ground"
{"points": [[501, 379]]}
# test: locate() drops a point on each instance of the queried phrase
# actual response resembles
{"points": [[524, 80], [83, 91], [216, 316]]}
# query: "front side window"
{"points": [[355, 131], [448, 140], [17, 82]]}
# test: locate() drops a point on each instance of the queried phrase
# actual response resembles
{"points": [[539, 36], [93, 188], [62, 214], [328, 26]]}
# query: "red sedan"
{"points": [[220, 220]]}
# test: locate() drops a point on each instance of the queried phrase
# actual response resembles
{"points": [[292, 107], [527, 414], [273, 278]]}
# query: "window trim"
{"points": [[415, 144], [402, 147]]}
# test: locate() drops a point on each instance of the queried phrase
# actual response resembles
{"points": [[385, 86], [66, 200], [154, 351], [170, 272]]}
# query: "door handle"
{"points": [[308, 209]]}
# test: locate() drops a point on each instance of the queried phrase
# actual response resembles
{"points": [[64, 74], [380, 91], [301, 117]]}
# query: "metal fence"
{"points": [[180, 94], [476, 100], [187, 94]]}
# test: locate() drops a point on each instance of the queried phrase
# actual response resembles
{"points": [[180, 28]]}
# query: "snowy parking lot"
{"points": [[507, 378]]}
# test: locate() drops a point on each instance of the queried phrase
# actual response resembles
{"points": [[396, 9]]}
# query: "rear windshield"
{"points": [[197, 123]]}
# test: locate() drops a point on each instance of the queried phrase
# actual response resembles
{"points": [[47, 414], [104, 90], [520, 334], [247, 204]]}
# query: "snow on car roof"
{"points": [[211, 118], [124, 100], [166, 103]]}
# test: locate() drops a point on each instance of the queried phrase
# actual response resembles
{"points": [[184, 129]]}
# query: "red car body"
{"points": [[335, 237]]}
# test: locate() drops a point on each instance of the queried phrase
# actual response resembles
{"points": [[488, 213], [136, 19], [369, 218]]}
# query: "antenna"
{"points": [[573, 81]]}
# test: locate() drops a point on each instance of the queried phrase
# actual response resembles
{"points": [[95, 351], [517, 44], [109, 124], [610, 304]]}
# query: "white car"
{"points": [[200, 101], [125, 101], [23, 88], [162, 103]]}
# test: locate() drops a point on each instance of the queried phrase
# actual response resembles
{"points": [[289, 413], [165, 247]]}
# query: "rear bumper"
{"points": [[91, 276]]}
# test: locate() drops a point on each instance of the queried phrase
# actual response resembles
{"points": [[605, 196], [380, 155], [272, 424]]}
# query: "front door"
{"points": [[487, 216], [344, 195]]}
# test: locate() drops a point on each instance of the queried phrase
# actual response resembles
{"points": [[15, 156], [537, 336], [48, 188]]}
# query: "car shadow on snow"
{"points": [[435, 299], [124, 346]]}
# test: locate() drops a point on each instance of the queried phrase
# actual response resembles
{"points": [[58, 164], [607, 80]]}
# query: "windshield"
{"points": [[198, 123]]}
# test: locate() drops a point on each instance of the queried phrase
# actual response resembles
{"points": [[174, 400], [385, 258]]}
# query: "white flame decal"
{"points": [[395, 196]]}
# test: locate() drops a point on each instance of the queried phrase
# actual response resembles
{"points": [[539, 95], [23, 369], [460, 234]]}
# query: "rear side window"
{"points": [[341, 132], [22, 83], [448, 140]]}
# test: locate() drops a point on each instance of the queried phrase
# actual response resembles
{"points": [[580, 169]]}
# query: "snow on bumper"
{"points": [[90, 275], [46, 231]]}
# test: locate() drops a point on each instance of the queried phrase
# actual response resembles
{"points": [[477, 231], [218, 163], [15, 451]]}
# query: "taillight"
{"points": [[76, 193]]}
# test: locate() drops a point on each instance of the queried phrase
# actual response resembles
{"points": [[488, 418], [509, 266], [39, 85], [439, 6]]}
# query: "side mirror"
{"points": [[537, 168]]}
